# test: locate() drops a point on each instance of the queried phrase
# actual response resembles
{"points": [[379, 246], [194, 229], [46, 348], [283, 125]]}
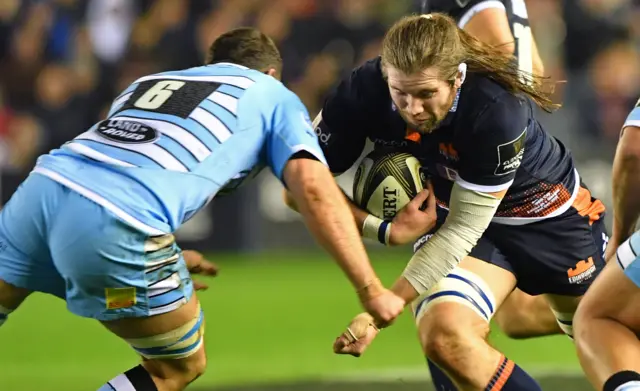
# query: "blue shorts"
{"points": [[628, 257], [54, 240]]}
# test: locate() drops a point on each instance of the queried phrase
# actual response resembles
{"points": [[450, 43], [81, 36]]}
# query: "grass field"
{"points": [[271, 318]]}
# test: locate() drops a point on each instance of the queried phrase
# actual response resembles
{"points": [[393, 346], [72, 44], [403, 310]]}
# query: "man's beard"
{"points": [[432, 123]]}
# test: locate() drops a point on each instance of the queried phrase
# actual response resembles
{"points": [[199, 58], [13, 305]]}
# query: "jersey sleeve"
{"points": [[460, 10], [291, 132], [633, 119], [346, 116], [492, 153]]}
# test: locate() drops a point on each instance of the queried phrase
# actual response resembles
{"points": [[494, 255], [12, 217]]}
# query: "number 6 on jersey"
{"points": [[158, 94]]}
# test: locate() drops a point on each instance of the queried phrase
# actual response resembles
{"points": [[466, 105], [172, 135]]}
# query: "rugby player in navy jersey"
{"points": [[512, 209], [503, 24]]}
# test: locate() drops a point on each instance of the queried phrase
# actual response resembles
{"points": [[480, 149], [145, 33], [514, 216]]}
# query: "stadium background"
{"points": [[279, 302]]}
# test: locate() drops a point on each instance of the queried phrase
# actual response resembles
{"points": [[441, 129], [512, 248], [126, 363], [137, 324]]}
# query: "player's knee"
{"points": [[447, 333], [177, 355]]}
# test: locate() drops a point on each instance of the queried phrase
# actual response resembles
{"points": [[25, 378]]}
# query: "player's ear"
{"points": [[273, 72], [460, 76]]}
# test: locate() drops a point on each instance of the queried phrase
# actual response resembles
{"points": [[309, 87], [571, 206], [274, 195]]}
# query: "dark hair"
{"points": [[248, 47], [434, 40]]}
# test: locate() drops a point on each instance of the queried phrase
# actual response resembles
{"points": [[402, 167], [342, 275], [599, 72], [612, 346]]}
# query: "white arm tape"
{"points": [[470, 213], [377, 229]]}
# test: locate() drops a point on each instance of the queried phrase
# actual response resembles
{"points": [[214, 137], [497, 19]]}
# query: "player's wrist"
{"points": [[377, 229], [370, 290]]}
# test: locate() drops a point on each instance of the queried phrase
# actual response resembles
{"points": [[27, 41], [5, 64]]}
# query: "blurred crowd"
{"points": [[63, 61]]}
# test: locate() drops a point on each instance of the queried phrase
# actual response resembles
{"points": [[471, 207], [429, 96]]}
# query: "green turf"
{"points": [[269, 317]]}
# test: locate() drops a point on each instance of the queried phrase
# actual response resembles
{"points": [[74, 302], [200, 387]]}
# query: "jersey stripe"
{"points": [[135, 158], [152, 151], [464, 19], [180, 134], [210, 122], [228, 102], [231, 90], [237, 81], [182, 154], [82, 149], [186, 124], [227, 118]]}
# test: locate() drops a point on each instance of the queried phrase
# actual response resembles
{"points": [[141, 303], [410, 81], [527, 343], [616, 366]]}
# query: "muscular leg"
{"points": [[606, 326], [525, 316], [168, 374], [453, 329]]}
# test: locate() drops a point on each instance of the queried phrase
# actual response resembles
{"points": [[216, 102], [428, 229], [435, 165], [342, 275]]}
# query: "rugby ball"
{"points": [[385, 181]]}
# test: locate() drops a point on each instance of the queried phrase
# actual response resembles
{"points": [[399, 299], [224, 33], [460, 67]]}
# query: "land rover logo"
{"points": [[124, 131]]}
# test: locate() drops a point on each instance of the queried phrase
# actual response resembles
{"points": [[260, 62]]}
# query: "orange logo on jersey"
{"points": [[413, 135], [448, 151], [582, 271]]}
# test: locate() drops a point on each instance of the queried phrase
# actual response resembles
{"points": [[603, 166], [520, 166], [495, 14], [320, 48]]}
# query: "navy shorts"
{"points": [[560, 255]]}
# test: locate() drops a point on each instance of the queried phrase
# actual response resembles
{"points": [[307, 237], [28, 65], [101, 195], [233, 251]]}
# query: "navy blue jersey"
{"points": [[490, 141]]}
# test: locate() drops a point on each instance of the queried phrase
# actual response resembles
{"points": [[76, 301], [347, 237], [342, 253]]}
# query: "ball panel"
{"points": [[387, 199], [386, 181]]}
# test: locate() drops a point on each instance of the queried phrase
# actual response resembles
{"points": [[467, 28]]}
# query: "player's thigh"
{"points": [[615, 294], [558, 257], [119, 275]]}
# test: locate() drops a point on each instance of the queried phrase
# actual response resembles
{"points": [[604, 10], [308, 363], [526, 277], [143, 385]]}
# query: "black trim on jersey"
{"points": [[182, 101]]}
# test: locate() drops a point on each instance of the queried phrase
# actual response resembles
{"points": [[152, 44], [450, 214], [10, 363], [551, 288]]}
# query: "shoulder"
{"points": [[492, 110], [362, 91], [364, 83]]}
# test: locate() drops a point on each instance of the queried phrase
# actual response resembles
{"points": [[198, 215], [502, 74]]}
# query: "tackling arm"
{"points": [[326, 215], [626, 183]]}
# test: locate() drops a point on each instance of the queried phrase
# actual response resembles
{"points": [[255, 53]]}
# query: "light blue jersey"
{"points": [[174, 140], [92, 224], [633, 119]]}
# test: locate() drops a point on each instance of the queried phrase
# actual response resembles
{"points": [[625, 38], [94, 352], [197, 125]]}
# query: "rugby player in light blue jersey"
{"points": [[93, 222], [607, 323]]}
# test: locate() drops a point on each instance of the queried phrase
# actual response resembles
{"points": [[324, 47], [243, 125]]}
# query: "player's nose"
{"points": [[415, 106]]}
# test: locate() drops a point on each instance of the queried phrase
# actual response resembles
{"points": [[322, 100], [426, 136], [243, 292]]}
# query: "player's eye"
{"points": [[426, 94]]}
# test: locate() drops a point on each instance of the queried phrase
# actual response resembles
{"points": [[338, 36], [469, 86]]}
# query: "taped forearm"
{"points": [[469, 216]]}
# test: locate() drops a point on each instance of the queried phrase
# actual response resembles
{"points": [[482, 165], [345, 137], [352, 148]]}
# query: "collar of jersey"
{"points": [[449, 117]]}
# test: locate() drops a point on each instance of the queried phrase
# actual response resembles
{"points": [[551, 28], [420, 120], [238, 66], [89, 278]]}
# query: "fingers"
{"points": [[197, 264], [342, 346], [199, 286], [208, 268], [431, 199], [420, 198]]}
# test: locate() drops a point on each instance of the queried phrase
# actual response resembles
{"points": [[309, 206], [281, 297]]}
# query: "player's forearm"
{"points": [[626, 184], [326, 214], [403, 288], [469, 216]]}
